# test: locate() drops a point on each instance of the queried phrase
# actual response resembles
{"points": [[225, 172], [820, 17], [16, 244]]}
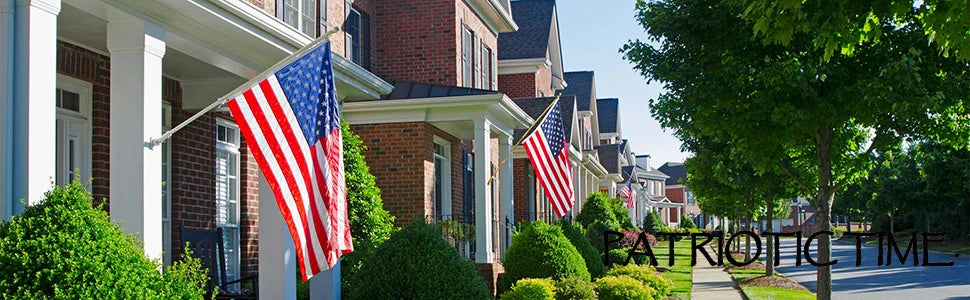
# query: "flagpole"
{"points": [[537, 121], [225, 98]]}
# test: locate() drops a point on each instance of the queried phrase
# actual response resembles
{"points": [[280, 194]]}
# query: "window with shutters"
{"points": [[302, 14], [227, 192], [357, 37], [467, 45], [486, 67]]}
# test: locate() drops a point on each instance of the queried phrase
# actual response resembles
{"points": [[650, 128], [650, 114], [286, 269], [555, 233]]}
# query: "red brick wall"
{"points": [[248, 211], [544, 81], [398, 155], [521, 85], [521, 188], [94, 68]]}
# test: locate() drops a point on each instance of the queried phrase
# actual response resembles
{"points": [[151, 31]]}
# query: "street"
{"points": [[869, 281]]}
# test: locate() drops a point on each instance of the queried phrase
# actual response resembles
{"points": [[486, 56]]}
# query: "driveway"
{"points": [[870, 281]]}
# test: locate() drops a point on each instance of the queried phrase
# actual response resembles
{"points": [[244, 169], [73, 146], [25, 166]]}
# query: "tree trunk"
{"points": [[927, 221], [892, 226], [823, 203], [747, 238], [770, 258], [865, 223], [848, 224]]}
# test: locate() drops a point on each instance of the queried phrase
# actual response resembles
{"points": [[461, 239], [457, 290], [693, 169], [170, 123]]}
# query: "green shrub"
{"points": [[540, 250], [646, 275], [417, 263], [622, 288], [577, 237], [618, 257], [575, 288], [64, 248], [532, 288], [597, 209], [621, 213], [666, 229], [595, 234], [652, 223], [370, 223], [687, 222]]}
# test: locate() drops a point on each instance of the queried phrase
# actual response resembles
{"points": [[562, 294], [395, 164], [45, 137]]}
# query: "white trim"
{"points": [[494, 15], [232, 148], [82, 118], [446, 199]]}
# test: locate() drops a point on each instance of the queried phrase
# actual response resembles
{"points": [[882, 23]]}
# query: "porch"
{"points": [[125, 72]]}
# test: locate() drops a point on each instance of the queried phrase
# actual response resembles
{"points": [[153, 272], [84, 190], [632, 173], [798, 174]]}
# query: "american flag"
{"points": [[549, 154], [627, 192], [291, 121]]}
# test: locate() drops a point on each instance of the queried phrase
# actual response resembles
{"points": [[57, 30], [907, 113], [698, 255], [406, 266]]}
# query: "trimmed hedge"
{"points": [[575, 288], [63, 248], [417, 263], [532, 289], [647, 275], [622, 288], [540, 250], [597, 209], [577, 237]]}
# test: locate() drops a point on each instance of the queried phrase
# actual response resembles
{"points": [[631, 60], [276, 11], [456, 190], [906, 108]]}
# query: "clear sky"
{"points": [[591, 33]]}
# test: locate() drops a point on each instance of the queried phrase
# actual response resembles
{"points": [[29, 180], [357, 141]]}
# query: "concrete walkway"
{"points": [[712, 282]]}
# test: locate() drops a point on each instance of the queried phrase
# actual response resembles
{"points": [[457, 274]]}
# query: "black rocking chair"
{"points": [[208, 247]]}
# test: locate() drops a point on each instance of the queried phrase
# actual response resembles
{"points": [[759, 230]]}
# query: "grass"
{"points": [[682, 272], [766, 293]]}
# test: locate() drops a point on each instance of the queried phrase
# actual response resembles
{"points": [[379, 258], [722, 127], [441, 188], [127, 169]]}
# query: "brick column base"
{"points": [[491, 273]]}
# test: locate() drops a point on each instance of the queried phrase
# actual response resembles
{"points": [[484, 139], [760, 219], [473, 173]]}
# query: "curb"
{"points": [[941, 253]]}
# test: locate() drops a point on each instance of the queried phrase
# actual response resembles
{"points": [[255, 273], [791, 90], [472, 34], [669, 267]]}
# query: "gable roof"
{"points": [[532, 39], [609, 115], [610, 157], [535, 106], [412, 90], [581, 85], [675, 170]]}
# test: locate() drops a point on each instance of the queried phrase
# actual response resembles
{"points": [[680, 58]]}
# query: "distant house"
{"points": [[591, 171], [678, 192]]}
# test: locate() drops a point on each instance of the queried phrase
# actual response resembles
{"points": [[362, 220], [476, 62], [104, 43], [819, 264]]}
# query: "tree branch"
{"points": [[795, 178]]}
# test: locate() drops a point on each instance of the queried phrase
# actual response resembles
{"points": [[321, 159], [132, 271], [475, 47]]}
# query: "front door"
{"points": [[73, 132]]}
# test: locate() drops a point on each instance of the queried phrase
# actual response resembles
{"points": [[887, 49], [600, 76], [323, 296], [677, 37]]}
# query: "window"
{"points": [[227, 192], [72, 130], [530, 178], [467, 79], [442, 179], [300, 14], [357, 35], [486, 67], [166, 187]]}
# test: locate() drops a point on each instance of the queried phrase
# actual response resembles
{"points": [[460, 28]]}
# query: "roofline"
{"points": [[497, 16], [418, 108]]}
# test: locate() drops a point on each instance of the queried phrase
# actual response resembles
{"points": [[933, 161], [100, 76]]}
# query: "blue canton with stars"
{"points": [[553, 130], [309, 86]]}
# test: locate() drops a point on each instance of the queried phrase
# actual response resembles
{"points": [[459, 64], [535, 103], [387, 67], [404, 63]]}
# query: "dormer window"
{"points": [[301, 14]]}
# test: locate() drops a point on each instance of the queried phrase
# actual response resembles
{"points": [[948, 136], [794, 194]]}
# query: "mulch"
{"points": [[774, 281], [752, 266]]}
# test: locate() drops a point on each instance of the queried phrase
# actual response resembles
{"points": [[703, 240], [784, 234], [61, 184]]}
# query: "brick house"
{"points": [[679, 193]]}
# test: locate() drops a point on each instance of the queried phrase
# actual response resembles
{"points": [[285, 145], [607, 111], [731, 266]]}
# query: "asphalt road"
{"points": [[869, 281]]}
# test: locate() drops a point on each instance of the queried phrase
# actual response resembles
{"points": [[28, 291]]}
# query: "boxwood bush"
{"points": [[532, 289], [417, 263], [577, 237], [63, 248], [575, 288], [597, 209], [595, 234], [646, 275], [540, 250], [622, 288]]}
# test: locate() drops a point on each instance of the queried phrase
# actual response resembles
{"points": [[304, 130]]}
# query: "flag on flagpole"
{"points": [[628, 192], [291, 122], [549, 154]]}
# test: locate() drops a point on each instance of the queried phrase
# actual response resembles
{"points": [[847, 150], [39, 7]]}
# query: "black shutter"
{"points": [[365, 40]]}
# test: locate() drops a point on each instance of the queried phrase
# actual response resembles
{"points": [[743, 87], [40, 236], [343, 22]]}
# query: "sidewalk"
{"points": [[713, 283]]}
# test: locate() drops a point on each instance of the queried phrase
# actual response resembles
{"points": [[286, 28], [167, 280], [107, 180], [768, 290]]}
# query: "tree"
{"points": [[787, 107], [843, 25]]}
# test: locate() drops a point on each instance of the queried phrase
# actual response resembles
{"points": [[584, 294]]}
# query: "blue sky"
{"points": [[591, 33]]}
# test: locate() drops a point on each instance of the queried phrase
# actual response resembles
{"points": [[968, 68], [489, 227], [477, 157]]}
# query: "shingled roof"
{"points": [[609, 114], [534, 18], [610, 157], [581, 85], [675, 170], [535, 106]]}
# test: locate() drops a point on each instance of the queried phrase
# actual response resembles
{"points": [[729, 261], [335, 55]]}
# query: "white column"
{"points": [[136, 49], [33, 113], [507, 187], [277, 256], [483, 198], [326, 285], [6, 99]]}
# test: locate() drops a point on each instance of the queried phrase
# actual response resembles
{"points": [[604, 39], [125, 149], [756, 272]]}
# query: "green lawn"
{"points": [[682, 272], [766, 293]]}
